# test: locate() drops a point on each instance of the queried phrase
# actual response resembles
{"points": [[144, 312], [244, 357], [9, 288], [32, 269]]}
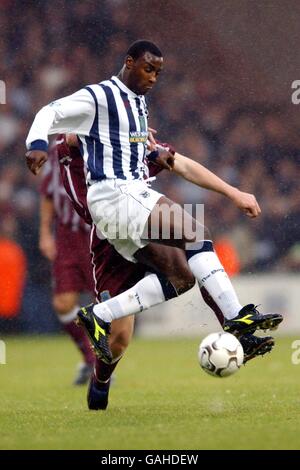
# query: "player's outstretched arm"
{"points": [[196, 173], [74, 113]]}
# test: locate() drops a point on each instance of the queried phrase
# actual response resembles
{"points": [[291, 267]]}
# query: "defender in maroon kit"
{"points": [[64, 240]]}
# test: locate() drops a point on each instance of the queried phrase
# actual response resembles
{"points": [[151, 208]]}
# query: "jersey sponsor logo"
{"points": [[138, 136]]}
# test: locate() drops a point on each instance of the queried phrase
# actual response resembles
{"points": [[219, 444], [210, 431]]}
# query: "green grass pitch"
{"points": [[161, 400]]}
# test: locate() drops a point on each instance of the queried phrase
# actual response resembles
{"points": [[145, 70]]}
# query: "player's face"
{"points": [[144, 72]]}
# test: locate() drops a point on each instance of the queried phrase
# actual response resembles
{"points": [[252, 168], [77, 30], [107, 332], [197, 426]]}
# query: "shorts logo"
{"points": [[145, 194]]}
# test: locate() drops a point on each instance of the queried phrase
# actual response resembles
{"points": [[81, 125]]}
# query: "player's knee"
{"points": [[183, 280], [183, 285], [62, 306]]}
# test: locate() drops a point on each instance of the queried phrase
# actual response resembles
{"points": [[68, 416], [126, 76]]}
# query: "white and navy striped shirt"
{"points": [[111, 122]]}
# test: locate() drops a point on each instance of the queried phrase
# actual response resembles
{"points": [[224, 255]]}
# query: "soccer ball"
{"points": [[220, 354]]}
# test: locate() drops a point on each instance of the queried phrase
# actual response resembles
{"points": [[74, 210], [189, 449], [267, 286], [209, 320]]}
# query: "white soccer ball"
{"points": [[220, 354]]}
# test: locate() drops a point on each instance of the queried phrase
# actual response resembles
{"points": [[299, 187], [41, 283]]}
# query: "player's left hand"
{"points": [[247, 203], [165, 159], [35, 159]]}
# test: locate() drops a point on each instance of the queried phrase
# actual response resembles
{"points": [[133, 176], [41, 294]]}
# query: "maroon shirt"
{"points": [[65, 203]]}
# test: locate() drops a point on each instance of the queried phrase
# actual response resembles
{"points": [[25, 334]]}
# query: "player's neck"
{"points": [[123, 77]]}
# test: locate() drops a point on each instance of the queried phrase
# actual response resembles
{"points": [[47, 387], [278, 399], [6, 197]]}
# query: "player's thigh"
{"points": [[122, 331], [64, 302], [170, 224]]}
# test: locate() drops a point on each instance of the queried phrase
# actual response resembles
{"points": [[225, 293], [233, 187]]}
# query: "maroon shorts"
{"points": [[72, 270], [112, 273]]}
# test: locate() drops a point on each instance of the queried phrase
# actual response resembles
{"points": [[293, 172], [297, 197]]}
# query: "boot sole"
{"points": [[261, 350]]}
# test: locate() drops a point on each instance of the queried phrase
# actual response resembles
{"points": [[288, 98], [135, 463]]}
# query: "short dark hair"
{"points": [[138, 48]]}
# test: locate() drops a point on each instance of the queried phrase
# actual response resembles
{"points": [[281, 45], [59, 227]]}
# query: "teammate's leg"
{"points": [[66, 307]]}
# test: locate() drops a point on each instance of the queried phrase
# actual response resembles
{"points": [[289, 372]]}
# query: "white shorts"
{"points": [[120, 210]]}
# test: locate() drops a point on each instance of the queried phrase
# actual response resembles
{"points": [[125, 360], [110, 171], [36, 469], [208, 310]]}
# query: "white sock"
{"points": [[145, 294], [210, 274], [70, 316]]}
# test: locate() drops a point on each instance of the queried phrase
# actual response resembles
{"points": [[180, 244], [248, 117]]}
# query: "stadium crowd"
{"points": [[50, 49]]}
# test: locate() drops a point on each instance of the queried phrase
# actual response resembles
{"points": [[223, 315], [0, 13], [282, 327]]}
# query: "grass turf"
{"points": [[161, 400]]}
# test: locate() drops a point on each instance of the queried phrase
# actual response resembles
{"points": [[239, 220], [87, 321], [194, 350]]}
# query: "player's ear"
{"points": [[129, 62]]}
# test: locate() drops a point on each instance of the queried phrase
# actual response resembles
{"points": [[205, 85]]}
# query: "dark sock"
{"points": [[103, 371]]}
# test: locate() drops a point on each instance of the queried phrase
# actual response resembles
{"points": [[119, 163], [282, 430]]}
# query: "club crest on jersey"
{"points": [[138, 136]]}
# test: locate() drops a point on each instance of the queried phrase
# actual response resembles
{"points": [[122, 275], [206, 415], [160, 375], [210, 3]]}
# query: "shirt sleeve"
{"points": [[74, 113]]}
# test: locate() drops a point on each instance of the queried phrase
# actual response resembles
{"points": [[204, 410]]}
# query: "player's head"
{"points": [[143, 63]]}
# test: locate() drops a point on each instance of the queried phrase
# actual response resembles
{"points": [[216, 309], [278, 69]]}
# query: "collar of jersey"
{"points": [[124, 87]]}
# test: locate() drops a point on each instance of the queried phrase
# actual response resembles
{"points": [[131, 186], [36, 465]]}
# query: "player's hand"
{"points": [[47, 247], [35, 159], [247, 203], [165, 159]]}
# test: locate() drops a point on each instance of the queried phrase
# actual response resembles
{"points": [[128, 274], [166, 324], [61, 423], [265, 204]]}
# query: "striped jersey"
{"points": [[111, 122], [73, 176]]}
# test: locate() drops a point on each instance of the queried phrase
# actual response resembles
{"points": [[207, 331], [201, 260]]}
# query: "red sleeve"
{"points": [[72, 170], [46, 186]]}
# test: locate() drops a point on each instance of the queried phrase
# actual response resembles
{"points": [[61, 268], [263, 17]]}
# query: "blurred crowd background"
{"points": [[213, 102]]}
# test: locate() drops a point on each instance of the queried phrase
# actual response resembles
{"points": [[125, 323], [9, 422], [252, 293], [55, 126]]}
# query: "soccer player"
{"points": [[111, 121], [64, 240], [113, 274]]}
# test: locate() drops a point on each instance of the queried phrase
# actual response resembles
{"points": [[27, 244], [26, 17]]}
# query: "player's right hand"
{"points": [[247, 203], [35, 159]]}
